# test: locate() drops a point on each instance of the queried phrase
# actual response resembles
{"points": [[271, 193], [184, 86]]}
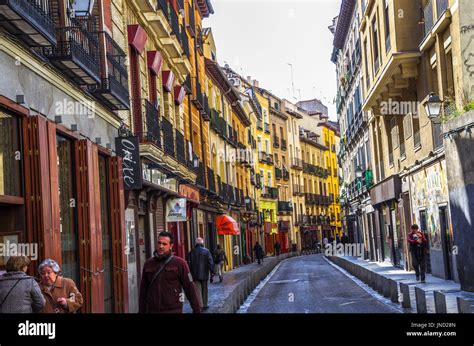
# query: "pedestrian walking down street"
{"points": [[19, 292], [61, 294], [220, 259], [164, 278], [345, 239], [277, 248], [338, 239], [258, 252], [201, 265], [418, 247]]}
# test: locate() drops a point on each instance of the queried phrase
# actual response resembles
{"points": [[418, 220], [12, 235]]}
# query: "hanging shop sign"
{"points": [[128, 149], [176, 210]]}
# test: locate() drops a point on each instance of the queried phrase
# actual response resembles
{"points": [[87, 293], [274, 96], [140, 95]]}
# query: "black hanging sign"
{"points": [[128, 149]]}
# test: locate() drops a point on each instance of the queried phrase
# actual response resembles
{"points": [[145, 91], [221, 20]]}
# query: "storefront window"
{"points": [[67, 209], [10, 156], [106, 235]]}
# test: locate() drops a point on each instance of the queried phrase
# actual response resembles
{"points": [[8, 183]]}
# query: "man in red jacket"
{"points": [[418, 244], [164, 277]]}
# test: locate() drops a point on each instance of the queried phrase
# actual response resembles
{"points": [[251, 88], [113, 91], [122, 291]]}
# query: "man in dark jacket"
{"points": [[164, 277], [277, 248], [220, 259], [258, 252], [201, 264], [418, 245]]}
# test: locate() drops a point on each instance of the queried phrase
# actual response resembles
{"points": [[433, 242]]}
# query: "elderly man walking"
{"points": [[201, 264]]}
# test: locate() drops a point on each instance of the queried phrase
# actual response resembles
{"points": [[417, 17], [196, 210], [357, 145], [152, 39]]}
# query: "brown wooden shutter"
{"points": [[117, 222], [89, 225], [41, 187]]}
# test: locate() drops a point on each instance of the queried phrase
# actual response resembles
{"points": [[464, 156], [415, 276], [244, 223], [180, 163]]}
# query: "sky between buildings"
{"points": [[258, 38]]}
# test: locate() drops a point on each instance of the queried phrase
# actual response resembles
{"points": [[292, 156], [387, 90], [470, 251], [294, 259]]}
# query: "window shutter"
{"points": [[89, 225], [41, 187], [117, 222]]}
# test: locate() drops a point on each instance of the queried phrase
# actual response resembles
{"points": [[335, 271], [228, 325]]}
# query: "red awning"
{"points": [[227, 225]]}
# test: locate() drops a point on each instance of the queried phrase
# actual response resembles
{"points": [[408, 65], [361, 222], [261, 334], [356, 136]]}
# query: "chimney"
{"points": [[255, 83], [249, 79]]}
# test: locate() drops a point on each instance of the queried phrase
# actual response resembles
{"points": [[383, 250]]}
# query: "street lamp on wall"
{"points": [[433, 107], [358, 172]]}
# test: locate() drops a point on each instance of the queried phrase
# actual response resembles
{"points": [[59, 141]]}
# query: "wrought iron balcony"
{"points": [[270, 192], [276, 142], [283, 144], [114, 89], [191, 24], [259, 125], [269, 159], [180, 148], [200, 41], [168, 138], [206, 112], [151, 130], [222, 128], [215, 122], [31, 20], [77, 52], [309, 198], [174, 21], [278, 173], [201, 177], [198, 98], [185, 42], [286, 174], [297, 164], [211, 181], [285, 207]]}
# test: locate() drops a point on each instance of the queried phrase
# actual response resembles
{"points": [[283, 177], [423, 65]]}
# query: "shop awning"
{"points": [[227, 225]]}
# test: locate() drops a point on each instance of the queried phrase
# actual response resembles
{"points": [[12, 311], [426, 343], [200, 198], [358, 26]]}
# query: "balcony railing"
{"points": [[270, 192], [168, 138], [297, 164], [211, 181], [206, 112], [286, 174], [185, 42], [199, 41], [174, 21], [259, 125], [192, 21], [77, 52], [223, 128], [428, 17], [276, 142], [32, 20], [180, 148], [285, 206], [151, 130], [198, 98], [283, 144], [201, 177], [278, 173], [113, 90]]}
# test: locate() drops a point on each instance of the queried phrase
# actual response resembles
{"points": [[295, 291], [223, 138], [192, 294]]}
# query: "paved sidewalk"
{"points": [[435, 296], [227, 296]]}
